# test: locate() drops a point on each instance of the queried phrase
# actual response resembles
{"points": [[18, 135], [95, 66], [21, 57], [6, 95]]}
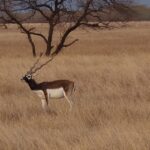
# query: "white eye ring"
{"points": [[29, 76]]}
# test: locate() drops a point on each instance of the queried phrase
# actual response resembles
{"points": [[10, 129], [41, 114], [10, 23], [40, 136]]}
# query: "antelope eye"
{"points": [[29, 76]]}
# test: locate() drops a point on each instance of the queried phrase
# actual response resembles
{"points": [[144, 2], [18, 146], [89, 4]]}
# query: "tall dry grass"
{"points": [[111, 103]]}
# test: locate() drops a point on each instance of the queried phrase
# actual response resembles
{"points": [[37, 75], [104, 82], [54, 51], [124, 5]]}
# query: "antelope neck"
{"points": [[32, 84]]}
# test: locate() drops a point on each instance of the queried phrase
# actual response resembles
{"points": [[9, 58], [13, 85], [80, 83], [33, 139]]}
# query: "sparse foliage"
{"points": [[71, 14]]}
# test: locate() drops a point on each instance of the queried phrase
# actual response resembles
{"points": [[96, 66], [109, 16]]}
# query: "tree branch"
{"points": [[71, 43]]}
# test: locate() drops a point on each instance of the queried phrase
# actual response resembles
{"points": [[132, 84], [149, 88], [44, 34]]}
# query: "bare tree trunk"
{"points": [[48, 50], [49, 41]]}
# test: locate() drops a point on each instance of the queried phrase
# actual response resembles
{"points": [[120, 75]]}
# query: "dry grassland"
{"points": [[111, 70]]}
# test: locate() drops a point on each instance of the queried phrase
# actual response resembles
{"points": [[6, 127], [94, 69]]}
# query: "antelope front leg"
{"points": [[44, 104]]}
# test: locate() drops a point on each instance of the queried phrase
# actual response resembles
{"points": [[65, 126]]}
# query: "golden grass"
{"points": [[111, 102]]}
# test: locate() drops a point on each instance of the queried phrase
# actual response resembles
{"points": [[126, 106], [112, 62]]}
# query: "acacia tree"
{"points": [[72, 13]]}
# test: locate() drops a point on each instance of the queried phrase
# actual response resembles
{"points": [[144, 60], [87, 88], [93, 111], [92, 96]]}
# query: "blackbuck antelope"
{"points": [[47, 90]]}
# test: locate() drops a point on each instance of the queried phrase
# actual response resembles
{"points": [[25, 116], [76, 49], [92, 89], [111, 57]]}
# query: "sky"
{"points": [[145, 2]]}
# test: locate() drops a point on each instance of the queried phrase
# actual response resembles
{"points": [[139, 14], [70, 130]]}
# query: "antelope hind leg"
{"points": [[70, 103]]}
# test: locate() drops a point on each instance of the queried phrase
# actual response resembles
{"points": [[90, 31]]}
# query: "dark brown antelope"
{"points": [[47, 90]]}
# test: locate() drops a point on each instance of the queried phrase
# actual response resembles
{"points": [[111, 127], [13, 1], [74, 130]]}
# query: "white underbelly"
{"points": [[55, 93]]}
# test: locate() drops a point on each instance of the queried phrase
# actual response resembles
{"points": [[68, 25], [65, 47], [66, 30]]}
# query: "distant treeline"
{"points": [[136, 13], [139, 13], [142, 13]]}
